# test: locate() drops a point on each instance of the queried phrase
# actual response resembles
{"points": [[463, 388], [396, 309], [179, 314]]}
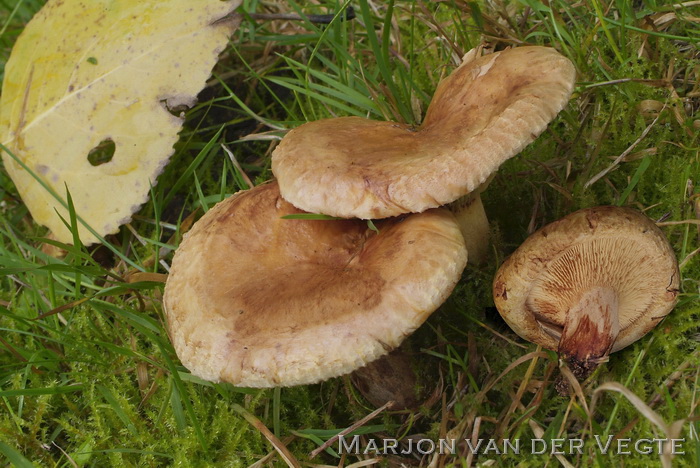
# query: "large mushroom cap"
{"points": [[605, 255], [261, 301], [485, 112]]}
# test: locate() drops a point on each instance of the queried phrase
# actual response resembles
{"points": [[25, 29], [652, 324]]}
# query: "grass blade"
{"points": [[13, 456]]}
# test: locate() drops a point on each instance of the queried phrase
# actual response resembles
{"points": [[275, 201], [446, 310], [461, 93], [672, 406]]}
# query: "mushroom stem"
{"points": [[474, 225], [591, 328], [473, 222], [390, 378]]}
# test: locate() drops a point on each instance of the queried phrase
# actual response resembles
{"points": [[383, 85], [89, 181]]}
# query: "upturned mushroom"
{"points": [[260, 301], [588, 284], [482, 114]]}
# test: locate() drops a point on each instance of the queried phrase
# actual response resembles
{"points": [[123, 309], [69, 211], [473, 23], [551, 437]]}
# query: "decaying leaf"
{"points": [[87, 102]]}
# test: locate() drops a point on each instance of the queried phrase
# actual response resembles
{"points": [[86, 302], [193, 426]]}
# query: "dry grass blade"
{"points": [[610, 82], [503, 424], [511, 366], [288, 458], [237, 165], [503, 337], [70, 460], [144, 276], [60, 309], [436, 460], [539, 433], [624, 154], [578, 391], [686, 4], [264, 460], [677, 223], [143, 242], [348, 430], [262, 136], [12, 350], [670, 431], [474, 438], [685, 261], [465, 423], [659, 395], [154, 387], [537, 400], [634, 399], [696, 209], [368, 462], [141, 368]]}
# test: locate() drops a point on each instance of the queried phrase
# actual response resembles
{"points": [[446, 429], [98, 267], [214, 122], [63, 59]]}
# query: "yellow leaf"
{"points": [[96, 78]]}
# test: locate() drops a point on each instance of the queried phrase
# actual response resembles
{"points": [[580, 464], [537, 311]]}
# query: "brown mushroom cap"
{"points": [[261, 301], [606, 262], [485, 112]]}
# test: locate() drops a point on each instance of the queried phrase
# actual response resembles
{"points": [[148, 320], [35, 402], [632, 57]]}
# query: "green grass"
{"points": [[88, 376]]}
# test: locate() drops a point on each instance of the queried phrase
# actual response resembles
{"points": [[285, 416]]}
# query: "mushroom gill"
{"points": [[589, 284]]}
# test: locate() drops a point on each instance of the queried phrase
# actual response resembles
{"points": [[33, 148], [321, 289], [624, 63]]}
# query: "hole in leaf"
{"points": [[176, 109], [102, 153]]}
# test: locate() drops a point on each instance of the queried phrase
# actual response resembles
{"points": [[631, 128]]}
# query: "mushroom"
{"points": [[485, 112], [260, 301], [588, 284]]}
